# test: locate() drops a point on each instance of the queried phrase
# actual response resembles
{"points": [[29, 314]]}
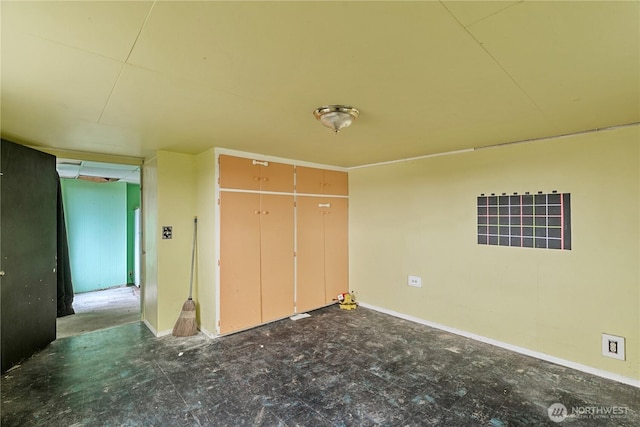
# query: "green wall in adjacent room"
{"points": [[133, 202], [96, 218]]}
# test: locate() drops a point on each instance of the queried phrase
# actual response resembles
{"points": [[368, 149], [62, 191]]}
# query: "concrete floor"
{"points": [[99, 310], [335, 368]]}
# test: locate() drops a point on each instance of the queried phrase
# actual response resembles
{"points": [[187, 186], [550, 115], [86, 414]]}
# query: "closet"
{"points": [[322, 251], [321, 181], [250, 174], [256, 262], [283, 249]]}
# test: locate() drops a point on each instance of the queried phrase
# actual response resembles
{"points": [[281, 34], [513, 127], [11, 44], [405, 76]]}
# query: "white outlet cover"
{"points": [[415, 281], [613, 346]]}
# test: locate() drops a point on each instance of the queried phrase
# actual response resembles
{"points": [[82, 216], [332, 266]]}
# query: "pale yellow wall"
{"points": [[149, 258], [419, 218], [204, 287], [176, 189]]}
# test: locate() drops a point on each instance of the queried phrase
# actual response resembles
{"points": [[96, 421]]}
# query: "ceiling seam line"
{"points": [[495, 13], [126, 60], [70, 46], [506, 72], [113, 88], [493, 58], [144, 23]]}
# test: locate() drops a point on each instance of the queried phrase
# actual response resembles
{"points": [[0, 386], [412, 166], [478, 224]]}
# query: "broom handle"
{"points": [[193, 254]]}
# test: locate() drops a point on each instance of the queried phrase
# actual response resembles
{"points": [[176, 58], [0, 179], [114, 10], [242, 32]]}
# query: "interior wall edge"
{"points": [[204, 286], [153, 157], [150, 327], [521, 350], [149, 250]]}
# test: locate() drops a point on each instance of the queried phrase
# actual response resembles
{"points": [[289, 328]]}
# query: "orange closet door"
{"points": [[238, 172], [336, 183], [252, 174], [277, 261], [336, 247], [321, 181], [240, 305], [309, 180], [310, 292], [276, 177]]}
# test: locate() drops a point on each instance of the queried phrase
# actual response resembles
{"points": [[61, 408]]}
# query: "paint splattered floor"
{"points": [[360, 368], [100, 310]]}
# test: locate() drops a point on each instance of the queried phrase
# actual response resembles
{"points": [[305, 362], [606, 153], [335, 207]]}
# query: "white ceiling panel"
{"points": [[571, 59], [129, 78], [107, 28]]}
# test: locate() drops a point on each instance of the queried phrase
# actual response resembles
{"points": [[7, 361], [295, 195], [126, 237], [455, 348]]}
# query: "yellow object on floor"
{"points": [[347, 301]]}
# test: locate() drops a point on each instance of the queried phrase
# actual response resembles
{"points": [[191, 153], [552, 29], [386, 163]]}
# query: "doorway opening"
{"points": [[102, 203]]}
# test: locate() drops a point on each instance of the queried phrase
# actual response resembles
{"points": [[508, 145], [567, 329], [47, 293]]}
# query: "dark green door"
{"points": [[28, 191]]}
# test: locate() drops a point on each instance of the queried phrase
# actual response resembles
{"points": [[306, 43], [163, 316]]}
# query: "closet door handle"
{"points": [[324, 205], [265, 212], [256, 212], [257, 162]]}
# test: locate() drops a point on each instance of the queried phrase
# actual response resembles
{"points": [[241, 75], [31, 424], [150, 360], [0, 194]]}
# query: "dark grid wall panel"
{"points": [[525, 220]]}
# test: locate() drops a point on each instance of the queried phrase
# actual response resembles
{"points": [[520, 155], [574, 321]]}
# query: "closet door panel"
{"points": [[321, 181], [309, 180], [277, 177], [240, 305], [310, 292], [336, 247], [239, 173], [336, 183], [277, 261]]}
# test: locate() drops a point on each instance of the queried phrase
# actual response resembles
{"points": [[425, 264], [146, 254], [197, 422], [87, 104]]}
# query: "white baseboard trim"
{"points": [[209, 334], [153, 330], [169, 331], [546, 357]]}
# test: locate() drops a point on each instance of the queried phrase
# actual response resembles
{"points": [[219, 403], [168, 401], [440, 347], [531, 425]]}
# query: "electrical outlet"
{"points": [[613, 346], [415, 281]]}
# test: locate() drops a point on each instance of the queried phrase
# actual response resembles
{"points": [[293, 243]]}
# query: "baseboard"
{"points": [[153, 330], [527, 352], [169, 331], [208, 333]]}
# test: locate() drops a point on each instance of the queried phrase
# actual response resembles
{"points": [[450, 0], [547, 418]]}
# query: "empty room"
{"points": [[351, 213]]}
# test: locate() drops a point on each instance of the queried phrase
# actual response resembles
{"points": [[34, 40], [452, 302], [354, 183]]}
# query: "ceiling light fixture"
{"points": [[336, 117]]}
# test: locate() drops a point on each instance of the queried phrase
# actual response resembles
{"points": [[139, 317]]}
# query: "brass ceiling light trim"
{"points": [[336, 117]]}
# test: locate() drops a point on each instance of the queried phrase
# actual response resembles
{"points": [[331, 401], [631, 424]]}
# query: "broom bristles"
{"points": [[186, 325]]}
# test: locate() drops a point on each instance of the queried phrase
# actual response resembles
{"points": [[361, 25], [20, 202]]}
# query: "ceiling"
{"points": [[129, 78]]}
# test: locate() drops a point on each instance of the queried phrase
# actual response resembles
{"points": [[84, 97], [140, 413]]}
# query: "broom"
{"points": [[186, 325]]}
